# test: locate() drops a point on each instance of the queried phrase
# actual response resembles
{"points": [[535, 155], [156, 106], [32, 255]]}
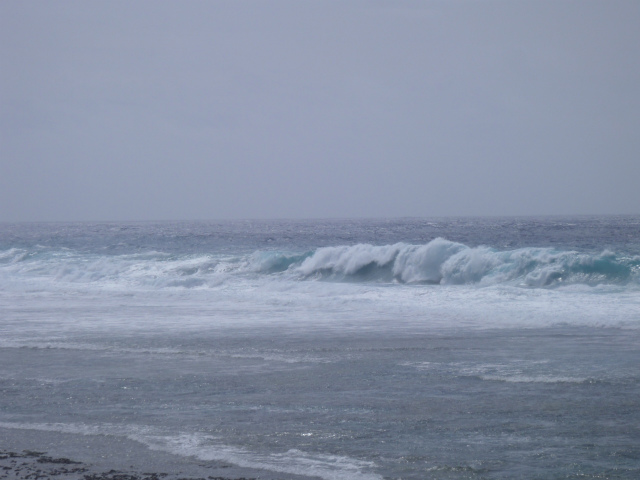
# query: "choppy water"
{"points": [[412, 348]]}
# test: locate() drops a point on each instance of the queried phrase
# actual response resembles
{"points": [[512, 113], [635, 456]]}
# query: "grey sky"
{"points": [[238, 109]]}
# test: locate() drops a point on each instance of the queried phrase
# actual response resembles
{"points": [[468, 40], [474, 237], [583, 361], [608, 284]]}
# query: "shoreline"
{"points": [[29, 454], [33, 465]]}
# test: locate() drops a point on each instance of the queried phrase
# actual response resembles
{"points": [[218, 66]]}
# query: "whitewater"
{"points": [[335, 349]]}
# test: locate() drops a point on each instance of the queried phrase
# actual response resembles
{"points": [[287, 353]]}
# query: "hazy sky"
{"points": [[273, 109]]}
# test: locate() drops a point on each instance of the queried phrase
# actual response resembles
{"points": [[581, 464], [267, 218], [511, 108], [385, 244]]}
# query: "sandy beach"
{"points": [[33, 455]]}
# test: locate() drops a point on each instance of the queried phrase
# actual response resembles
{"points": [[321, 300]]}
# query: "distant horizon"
{"points": [[304, 219]]}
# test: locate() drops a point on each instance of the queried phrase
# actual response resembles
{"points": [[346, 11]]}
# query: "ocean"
{"points": [[444, 348]]}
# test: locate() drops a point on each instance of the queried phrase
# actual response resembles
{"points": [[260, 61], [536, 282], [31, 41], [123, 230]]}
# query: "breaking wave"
{"points": [[448, 263], [439, 262]]}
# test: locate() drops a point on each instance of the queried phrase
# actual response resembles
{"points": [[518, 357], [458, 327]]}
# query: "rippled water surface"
{"points": [[412, 348]]}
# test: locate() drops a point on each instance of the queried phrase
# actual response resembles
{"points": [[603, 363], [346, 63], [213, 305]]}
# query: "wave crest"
{"points": [[449, 263], [440, 262]]}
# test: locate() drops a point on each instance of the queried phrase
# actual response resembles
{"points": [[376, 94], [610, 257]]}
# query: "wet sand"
{"points": [[34, 465], [38, 455]]}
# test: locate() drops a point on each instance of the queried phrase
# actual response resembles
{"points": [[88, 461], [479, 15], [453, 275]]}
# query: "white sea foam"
{"points": [[534, 379], [266, 302], [12, 255], [294, 461], [515, 372], [210, 448], [476, 288], [444, 262], [437, 262], [349, 260]]}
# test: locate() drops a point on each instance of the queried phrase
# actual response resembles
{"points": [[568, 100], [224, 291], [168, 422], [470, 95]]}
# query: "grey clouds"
{"points": [[208, 110]]}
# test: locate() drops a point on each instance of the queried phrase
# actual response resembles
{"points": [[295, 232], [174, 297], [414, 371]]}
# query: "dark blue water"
{"points": [[583, 233]]}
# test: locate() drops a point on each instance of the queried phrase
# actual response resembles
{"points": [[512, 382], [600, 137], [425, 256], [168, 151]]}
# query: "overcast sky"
{"points": [[154, 110]]}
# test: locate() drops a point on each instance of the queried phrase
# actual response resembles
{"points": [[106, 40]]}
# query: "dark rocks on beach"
{"points": [[32, 465], [56, 460]]}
